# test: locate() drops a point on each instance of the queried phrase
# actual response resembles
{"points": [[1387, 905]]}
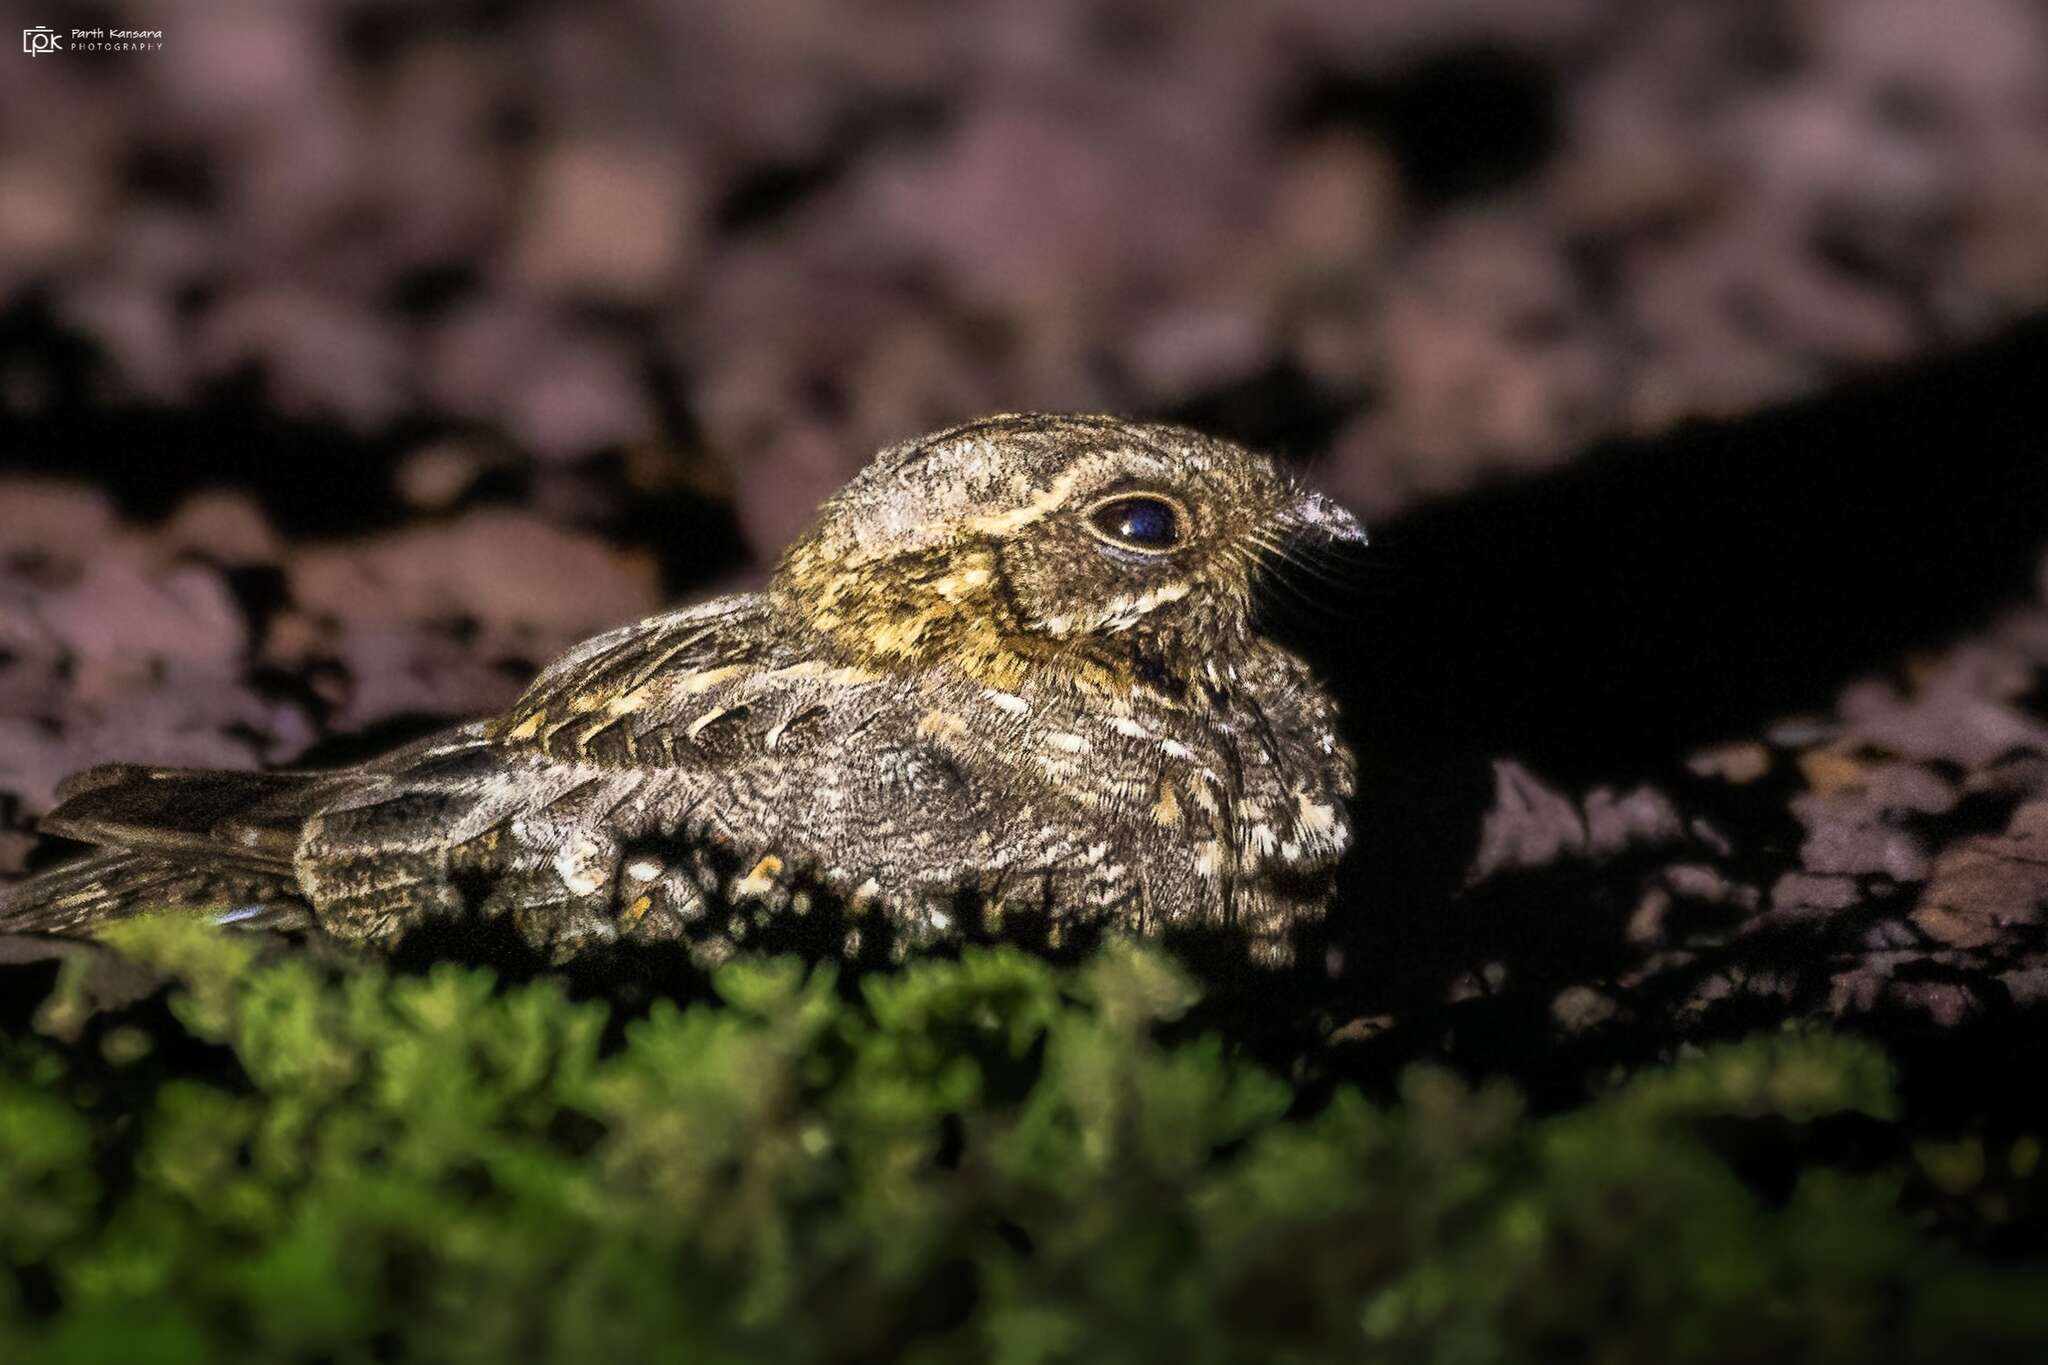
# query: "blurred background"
{"points": [[1427, 241], [357, 355]]}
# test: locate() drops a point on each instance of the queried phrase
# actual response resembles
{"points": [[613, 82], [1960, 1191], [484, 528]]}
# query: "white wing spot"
{"points": [[1316, 818], [580, 865], [696, 726]]}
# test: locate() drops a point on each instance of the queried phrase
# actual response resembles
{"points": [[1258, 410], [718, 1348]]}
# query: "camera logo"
{"points": [[37, 41]]}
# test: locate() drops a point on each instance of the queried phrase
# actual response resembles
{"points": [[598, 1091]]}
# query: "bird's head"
{"points": [[1024, 540]]}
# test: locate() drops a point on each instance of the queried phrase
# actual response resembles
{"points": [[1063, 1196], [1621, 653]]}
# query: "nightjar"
{"points": [[1010, 670]]}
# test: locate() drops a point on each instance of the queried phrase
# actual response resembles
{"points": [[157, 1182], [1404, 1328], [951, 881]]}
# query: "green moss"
{"points": [[982, 1160]]}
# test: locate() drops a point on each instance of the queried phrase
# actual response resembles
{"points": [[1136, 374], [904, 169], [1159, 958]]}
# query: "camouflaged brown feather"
{"points": [[1010, 668]]}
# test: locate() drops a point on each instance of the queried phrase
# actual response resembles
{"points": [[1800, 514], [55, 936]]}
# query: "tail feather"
{"points": [[230, 843], [248, 820], [116, 884], [172, 839]]}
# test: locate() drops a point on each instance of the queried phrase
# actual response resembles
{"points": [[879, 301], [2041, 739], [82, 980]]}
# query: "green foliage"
{"points": [[982, 1160]]}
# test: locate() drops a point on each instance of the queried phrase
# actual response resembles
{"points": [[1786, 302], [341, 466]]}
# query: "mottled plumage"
{"points": [[1011, 667]]}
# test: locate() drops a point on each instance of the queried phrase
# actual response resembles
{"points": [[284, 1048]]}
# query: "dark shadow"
{"points": [[1657, 595], [1602, 622]]}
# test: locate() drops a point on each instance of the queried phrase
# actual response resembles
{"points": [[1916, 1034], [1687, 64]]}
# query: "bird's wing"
{"points": [[704, 689], [701, 727]]}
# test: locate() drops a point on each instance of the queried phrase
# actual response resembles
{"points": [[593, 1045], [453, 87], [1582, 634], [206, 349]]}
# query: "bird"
{"points": [[1011, 672]]}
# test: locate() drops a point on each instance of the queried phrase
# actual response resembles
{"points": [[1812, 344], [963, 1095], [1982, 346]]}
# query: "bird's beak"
{"points": [[1317, 518]]}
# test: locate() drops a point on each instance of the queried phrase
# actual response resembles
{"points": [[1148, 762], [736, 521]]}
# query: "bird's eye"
{"points": [[1137, 523]]}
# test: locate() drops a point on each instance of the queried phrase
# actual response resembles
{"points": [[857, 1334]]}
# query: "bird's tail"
{"points": [[171, 839]]}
